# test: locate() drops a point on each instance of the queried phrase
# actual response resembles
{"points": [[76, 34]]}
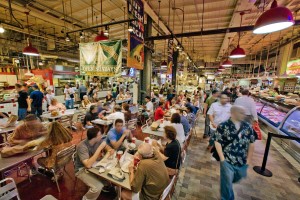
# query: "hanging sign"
{"points": [[293, 67], [101, 58], [170, 56], [135, 56]]}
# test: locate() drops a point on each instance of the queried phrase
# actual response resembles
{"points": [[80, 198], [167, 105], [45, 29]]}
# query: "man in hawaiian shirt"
{"points": [[234, 142]]}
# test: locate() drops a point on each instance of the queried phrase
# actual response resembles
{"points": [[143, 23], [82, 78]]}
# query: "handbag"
{"points": [[257, 130], [71, 96]]}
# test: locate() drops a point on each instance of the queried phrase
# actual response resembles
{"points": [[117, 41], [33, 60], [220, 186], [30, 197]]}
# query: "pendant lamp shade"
{"points": [[275, 19], [238, 52], [164, 64], [227, 63], [221, 68], [30, 50], [100, 37]]}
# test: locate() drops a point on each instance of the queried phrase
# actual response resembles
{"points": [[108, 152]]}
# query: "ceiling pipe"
{"points": [[208, 32]]}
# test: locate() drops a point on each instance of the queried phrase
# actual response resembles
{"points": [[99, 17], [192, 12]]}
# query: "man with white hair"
{"points": [[150, 177], [234, 142]]}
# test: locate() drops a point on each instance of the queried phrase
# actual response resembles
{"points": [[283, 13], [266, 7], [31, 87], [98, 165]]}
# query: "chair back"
{"points": [[149, 122], [132, 124], [144, 126], [65, 121], [80, 117], [8, 189], [168, 189], [64, 156]]}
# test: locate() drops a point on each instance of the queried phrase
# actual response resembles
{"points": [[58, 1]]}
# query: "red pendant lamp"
{"points": [[274, 19], [221, 68], [238, 52], [164, 64], [101, 36], [227, 63], [29, 50]]}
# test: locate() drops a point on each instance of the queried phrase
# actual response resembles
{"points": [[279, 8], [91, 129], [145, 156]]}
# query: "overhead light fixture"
{"points": [[238, 52], [227, 63], [30, 50], [106, 32], [2, 30], [67, 38], [274, 19], [130, 29], [100, 37], [81, 35], [164, 64], [177, 47]]}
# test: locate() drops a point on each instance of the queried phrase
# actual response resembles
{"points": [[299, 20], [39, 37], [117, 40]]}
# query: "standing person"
{"points": [[69, 97], [249, 105], [210, 100], [82, 91], [218, 113], [49, 96], [88, 152], [23, 101], [234, 142], [36, 98]]}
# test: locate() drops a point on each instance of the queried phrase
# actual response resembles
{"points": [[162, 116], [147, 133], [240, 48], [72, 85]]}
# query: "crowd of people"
{"points": [[229, 115]]}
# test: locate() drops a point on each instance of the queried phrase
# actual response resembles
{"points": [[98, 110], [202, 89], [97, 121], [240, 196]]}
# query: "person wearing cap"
{"points": [[36, 98], [150, 177]]}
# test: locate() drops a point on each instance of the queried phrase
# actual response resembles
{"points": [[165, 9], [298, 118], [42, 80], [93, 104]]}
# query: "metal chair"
{"points": [[132, 124], [8, 189], [149, 121], [65, 121], [167, 193], [73, 161], [63, 157], [79, 124]]}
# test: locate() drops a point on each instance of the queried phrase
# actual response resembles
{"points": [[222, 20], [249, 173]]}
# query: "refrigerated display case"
{"points": [[283, 119]]}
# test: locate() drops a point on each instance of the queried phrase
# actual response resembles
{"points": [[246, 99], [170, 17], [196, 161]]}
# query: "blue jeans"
{"points": [[70, 103], [230, 174], [22, 112]]}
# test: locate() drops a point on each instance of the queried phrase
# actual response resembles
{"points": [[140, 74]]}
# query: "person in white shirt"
{"points": [[117, 114], [218, 113], [149, 105], [248, 104], [49, 96], [176, 123], [69, 97]]}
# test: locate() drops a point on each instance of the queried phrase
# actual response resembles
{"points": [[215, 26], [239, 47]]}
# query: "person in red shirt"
{"points": [[159, 113]]}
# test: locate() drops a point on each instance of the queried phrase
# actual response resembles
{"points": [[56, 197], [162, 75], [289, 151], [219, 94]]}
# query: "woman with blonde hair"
{"points": [[85, 102], [55, 105], [57, 139]]}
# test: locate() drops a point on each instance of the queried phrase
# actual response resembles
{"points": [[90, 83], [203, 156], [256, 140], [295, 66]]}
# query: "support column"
{"points": [[146, 73], [174, 68]]}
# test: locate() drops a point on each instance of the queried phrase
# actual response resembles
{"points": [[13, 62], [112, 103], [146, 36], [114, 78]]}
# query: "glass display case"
{"points": [[271, 112], [291, 125]]}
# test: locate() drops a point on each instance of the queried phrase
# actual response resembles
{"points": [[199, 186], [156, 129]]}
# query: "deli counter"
{"points": [[280, 118]]}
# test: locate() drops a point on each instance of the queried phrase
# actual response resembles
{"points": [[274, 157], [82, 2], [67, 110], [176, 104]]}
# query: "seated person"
{"points": [[55, 105], [108, 97], [168, 103], [117, 114], [127, 95], [85, 102], [176, 123], [149, 106], [189, 104], [126, 111], [172, 150], [117, 135], [90, 116], [57, 139], [88, 152], [150, 177], [29, 130], [184, 122], [121, 95], [159, 113], [190, 116]]}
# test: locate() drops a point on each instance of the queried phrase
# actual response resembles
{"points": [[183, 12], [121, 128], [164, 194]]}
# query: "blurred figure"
{"points": [[36, 98], [82, 91], [23, 101], [85, 102], [159, 112], [210, 100], [69, 97], [55, 105]]}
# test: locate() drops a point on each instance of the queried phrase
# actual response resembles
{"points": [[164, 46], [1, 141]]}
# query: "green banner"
{"points": [[101, 58]]}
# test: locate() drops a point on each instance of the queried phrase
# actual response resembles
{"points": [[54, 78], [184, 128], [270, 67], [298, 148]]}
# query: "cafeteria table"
{"points": [[67, 113], [8, 163], [159, 132]]}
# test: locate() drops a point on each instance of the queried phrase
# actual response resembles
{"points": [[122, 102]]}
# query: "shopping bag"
{"points": [[256, 129]]}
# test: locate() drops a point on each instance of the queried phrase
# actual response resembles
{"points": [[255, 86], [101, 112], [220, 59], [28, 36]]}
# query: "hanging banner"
{"points": [[170, 56], [100, 58], [293, 67], [135, 56]]}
